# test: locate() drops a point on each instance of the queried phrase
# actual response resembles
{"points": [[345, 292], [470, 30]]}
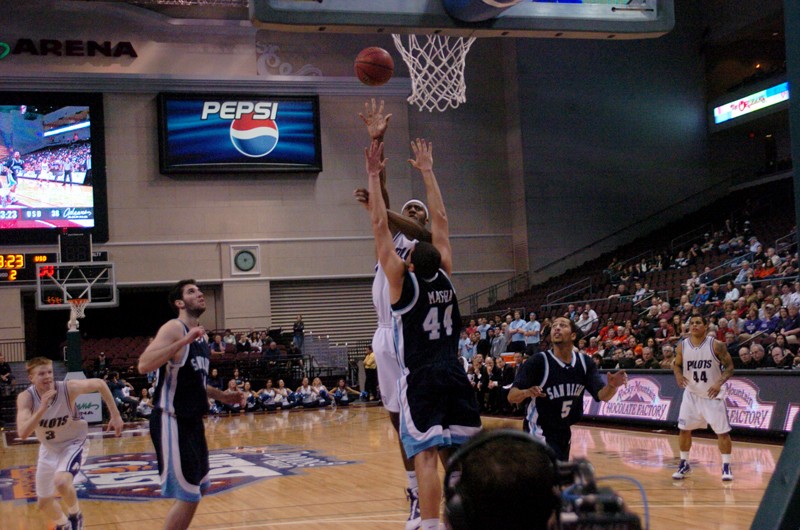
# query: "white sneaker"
{"points": [[414, 518], [727, 474], [683, 469]]}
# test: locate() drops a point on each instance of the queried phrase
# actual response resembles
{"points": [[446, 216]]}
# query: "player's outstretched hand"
{"points": [[116, 424], [617, 379], [362, 196], [374, 156], [423, 154], [536, 392], [375, 120]]}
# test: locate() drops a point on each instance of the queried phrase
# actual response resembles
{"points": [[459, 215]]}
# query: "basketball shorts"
{"points": [[69, 458], [182, 453], [559, 439], [389, 369], [438, 408], [698, 412]]}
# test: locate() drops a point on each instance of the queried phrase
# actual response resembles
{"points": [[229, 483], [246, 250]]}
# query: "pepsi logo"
{"points": [[252, 137]]}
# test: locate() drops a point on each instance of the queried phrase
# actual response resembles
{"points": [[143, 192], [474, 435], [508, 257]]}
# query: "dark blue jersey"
{"points": [[564, 385], [181, 388], [427, 322]]}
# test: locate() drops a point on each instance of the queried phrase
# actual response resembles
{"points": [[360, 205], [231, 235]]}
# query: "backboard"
{"points": [[56, 283], [622, 19]]}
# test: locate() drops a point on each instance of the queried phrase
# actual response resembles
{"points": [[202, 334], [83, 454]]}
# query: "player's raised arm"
{"points": [[377, 122], [440, 229], [169, 340], [392, 264]]}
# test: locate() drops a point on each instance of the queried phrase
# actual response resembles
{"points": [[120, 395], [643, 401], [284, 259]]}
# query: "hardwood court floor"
{"points": [[339, 469]]}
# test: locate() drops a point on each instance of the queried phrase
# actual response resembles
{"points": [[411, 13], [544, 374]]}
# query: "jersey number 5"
{"points": [[433, 326]]}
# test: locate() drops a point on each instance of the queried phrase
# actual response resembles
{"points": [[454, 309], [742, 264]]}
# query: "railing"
{"points": [[786, 242], [574, 288], [499, 291], [13, 350], [695, 234]]}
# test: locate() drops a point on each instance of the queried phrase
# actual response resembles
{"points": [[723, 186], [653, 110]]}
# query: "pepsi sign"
{"points": [[238, 133]]}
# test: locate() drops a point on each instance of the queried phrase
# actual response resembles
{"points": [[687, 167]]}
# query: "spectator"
{"points": [[781, 358], [506, 373], [242, 344], [731, 292], [498, 339], [343, 394], [6, 377], [217, 346], [668, 357], [145, 406], [701, 297], [585, 322], [229, 338], [120, 389], [271, 354], [517, 330], [790, 326], [752, 325], [745, 360], [101, 365], [472, 327], [593, 315], [233, 388], [745, 273], [647, 361], [760, 359], [298, 333], [215, 380], [371, 373], [531, 332], [483, 329]]}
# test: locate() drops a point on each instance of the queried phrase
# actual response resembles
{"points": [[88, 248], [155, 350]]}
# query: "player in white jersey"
{"points": [[47, 408], [407, 227], [702, 365]]}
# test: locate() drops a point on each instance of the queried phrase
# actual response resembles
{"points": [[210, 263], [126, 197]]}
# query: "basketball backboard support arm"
{"points": [[624, 20]]}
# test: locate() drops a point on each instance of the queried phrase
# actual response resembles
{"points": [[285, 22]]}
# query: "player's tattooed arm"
{"points": [[721, 351], [677, 367]]}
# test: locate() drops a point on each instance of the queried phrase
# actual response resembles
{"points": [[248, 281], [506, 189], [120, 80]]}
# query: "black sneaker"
{"points": [[76, 520]]}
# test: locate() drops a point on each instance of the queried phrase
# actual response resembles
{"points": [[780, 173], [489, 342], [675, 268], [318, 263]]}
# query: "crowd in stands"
{"points": [[752, 301], [49, 163]]}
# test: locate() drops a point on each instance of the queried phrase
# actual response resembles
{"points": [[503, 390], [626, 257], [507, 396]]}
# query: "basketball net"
{"points": [[436, 64], [76, 311]]}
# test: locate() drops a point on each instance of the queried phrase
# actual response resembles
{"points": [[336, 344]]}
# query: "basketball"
{"points": [[374, 66]]}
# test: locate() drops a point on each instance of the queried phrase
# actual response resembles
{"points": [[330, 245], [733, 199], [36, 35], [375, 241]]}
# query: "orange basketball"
{"points": [[374, 66]]}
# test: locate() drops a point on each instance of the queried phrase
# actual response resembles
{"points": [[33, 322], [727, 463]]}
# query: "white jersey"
{"points": [[380, 285], [61, 424], [701, 367]]}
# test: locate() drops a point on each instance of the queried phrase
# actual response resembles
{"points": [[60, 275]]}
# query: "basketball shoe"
{"points": [[414, 518], [683, 470], [76, 520], [727, 474]]}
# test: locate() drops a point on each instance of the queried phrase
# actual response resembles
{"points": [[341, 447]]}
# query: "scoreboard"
{"points": [[22, 267], [17, 267]]}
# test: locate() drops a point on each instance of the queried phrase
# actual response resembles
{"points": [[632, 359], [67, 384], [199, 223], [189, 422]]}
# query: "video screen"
{"points": [[47, 164], [238, 133]]}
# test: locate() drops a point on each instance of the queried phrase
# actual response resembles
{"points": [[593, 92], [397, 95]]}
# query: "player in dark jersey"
{"points": [[181, 355], [556, 380], [438, 408]]}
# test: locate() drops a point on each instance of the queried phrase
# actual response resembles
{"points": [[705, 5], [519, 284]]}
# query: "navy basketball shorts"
{"points": [[182, 455], [438, 408]]}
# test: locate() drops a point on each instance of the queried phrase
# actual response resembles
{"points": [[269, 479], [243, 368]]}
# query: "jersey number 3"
{"points": [[433, 326]]}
